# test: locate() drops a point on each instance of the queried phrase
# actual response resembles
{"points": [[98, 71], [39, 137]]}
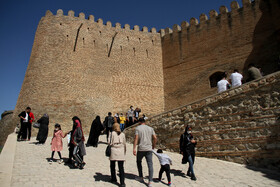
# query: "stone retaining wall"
{"points": [[239, 125]]}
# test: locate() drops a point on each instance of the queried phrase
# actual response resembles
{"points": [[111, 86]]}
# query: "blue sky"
{"points": [[19, 20]]}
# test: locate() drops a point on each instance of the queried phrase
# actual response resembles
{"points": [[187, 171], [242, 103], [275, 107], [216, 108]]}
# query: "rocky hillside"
{"points": [[5, 126]]}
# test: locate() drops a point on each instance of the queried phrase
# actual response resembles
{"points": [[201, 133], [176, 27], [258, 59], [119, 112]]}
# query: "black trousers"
{"points": [[29, 130], [130, 121], [165, 168], [23, 131], [113, 171], [108, 129], [71, 149]]}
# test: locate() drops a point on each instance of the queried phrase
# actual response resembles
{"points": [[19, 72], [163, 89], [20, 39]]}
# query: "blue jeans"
{"points": [[190, 164], [122, 126], [149, 158]]}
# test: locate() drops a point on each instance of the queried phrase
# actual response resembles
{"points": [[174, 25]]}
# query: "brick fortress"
{"points": [[86, 68]]}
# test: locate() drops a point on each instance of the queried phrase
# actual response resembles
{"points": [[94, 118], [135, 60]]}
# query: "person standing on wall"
{"points": [[130, 115], [223, 84], [118, 151], [187, 149], [24, 120], [253, 72], [108, 124], [145, 138], [29, 125], [236, 79]]}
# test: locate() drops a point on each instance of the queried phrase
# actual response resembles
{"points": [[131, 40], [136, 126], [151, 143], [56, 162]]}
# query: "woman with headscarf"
{"points": [[78, 141], [95, 131], [43, 129], [118, 151], [187, 148]]}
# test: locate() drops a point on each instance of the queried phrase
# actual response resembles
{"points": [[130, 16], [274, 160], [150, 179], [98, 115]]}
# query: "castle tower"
{"points": [[82, 67]]}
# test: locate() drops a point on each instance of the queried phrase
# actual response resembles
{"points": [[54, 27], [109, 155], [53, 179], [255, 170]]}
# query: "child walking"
{"points": [[165, 163], [57, 142]]}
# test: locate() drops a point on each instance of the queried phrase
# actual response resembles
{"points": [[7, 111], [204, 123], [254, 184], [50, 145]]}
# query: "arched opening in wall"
{"points": [[67, 36], [147, 52], [88, 28], [153, 42], [134, 50], [127, 38], [60, 23], [100, 33], [139, 40], [93, 43], [121, 49], [214, 78], [83, 40]]}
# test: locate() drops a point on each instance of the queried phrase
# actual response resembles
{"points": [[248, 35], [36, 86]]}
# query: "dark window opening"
{"points": [[215, 77], [127, 38], [134, 50]]}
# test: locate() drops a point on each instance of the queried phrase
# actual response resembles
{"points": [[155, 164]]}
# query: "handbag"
{"points": [[36, 125], [108, 148]]}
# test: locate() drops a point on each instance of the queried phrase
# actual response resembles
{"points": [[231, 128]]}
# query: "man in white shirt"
{"points": [[130, 116], [236, 79], [223, 84]]}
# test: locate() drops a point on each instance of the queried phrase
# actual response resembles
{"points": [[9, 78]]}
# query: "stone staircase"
{"points": [[240, 125]]}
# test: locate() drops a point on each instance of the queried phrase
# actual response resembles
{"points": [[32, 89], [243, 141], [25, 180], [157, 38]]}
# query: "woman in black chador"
{"points": [[95, 131], [43, 129], [187, 149]]}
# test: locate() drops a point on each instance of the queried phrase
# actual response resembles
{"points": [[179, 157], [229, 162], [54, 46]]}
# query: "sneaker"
{"points": [[169, 184], [50, 161], [60, 161], [193, 178]]}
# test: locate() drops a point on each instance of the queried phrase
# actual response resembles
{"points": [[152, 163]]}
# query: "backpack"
{"points": [[110, 122]]}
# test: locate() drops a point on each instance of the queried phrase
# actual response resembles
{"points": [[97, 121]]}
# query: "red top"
{"points": [[31, 117]]}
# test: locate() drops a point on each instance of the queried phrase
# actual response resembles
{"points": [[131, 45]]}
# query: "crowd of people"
{"points": [[236, 79], [143, 146]]}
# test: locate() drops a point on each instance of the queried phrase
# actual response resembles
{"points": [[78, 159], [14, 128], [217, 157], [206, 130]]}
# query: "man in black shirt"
{"points": [[24, 120]]}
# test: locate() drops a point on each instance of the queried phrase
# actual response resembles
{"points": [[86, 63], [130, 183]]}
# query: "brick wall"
{"points": [[226, 41], [70, 71], [240, 125]]}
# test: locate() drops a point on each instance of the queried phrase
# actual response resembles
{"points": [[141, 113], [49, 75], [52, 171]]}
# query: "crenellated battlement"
{"points": [[81, 16], [223, 17], [86, 66]]}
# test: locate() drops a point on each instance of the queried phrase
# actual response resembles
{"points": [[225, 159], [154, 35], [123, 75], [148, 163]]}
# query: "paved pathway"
{"points": [[30, 168]]}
